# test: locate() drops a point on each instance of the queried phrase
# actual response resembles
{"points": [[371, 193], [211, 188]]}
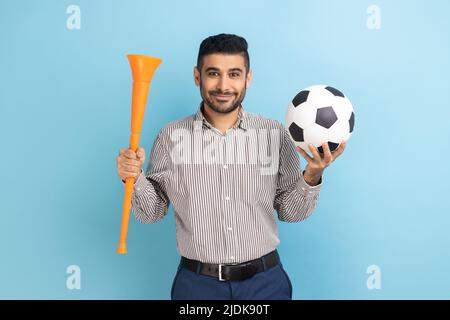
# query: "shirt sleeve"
{"points": [[295, 199], [149, 201]]}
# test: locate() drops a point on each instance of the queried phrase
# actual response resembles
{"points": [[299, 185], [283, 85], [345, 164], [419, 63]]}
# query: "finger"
{"points": [[122, 151], [130, 154], [129, 174], [140, 153], [127, 161], [304, 154], [315, 152], [133, 163], [327, 153], [131, 168], [340, 149]]}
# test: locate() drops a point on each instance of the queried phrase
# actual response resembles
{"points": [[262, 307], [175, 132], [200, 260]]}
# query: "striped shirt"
{"points": [[224, 188]]}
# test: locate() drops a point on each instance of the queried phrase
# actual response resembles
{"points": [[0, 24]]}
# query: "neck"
{"points": [[221, 121]]}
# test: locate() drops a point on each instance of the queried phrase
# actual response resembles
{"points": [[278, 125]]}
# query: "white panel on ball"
{"points": [[316, 135]]}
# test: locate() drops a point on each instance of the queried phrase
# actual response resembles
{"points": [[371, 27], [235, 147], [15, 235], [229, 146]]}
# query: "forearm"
{"points": [[298, 202], [147, 202]]}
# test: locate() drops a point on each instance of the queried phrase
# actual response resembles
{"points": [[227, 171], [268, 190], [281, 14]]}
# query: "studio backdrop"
{"points": [[381, 227]]}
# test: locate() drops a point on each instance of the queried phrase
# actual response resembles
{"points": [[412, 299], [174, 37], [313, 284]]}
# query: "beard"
{"points": [[234, 101]]}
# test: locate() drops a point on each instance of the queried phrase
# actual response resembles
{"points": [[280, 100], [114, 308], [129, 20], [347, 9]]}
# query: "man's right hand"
{"points": [[129, 163]]}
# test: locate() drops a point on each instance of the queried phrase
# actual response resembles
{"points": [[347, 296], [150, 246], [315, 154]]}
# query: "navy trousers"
{"points": [[271, 284]]}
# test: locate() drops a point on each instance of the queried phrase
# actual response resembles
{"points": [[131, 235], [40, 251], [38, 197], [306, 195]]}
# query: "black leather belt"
{"points": [[232, 272]]}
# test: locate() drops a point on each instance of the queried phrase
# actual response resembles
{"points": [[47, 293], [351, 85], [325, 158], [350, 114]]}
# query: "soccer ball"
{"points": [[320, 114]]}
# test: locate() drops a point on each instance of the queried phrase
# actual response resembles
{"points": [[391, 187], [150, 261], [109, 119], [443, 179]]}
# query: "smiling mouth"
{"points": [[222, 97]]}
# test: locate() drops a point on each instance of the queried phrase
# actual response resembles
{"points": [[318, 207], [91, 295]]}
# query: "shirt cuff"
{"points": [[139, 183]]}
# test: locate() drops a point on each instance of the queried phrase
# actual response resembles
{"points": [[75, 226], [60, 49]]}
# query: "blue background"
{"points": [[65, 113]]}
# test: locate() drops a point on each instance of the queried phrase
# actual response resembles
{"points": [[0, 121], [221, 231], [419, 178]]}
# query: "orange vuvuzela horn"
{"points": [[142, 69]]}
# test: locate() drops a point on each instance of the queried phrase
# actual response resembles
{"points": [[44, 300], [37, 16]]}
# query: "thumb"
{"points": [[140, 153]]}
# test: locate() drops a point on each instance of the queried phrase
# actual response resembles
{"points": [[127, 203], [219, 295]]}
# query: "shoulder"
{"points": [[258, 121], [185, 123]]}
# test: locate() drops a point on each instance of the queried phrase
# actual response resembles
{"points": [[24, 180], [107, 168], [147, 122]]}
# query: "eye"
{"points": [[235, 74], [213, 73]]}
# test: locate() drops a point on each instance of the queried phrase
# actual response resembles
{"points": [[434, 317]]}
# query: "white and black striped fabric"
{"points": [[224, 188]]}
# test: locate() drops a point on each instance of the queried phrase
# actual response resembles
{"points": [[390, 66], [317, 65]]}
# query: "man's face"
{"points": [[223, 81]]}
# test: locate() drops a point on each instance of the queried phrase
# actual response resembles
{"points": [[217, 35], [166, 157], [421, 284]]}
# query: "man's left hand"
{"points": [[317, 164]]}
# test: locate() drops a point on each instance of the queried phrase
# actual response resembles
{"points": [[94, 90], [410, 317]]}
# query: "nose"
{"points": [[223, 85]]}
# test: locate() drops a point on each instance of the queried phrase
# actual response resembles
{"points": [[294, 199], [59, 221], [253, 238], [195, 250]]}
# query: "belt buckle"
{"points": [[220, 273]]}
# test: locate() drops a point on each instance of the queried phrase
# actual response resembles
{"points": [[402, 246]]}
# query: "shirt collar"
{"points": [[200, 120]]}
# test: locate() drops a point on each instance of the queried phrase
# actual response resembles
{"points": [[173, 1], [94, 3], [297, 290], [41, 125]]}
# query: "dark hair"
{"points": [[223, 43]]}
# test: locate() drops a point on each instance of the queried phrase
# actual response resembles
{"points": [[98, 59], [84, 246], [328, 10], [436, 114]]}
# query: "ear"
{"points": [[249, 79], [197, 76]]}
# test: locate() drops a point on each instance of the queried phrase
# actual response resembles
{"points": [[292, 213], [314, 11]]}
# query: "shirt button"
{"points": [[232, 257], [223, 138], [230, 229], [138, 189], [227, 198], [225, 167]]}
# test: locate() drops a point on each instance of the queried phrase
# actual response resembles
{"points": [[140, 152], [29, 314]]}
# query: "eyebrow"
{"points": [[229, 70]]}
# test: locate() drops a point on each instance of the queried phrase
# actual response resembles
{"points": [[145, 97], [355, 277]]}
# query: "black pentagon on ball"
{"points": [[335, 92], [326, 117], [332, 146], [296, 132], [352, 121], [300, 98]]}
